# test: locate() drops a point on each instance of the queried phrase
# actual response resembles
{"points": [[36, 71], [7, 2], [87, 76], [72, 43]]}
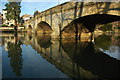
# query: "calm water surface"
{"points": [[33, 56]]}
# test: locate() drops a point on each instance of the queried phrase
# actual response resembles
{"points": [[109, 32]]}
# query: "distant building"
{"points": [[5, 21], [26, 17], [36, 12], [1, 18]]}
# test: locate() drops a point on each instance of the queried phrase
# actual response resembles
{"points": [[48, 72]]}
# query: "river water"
{"points": [[39, 56]]}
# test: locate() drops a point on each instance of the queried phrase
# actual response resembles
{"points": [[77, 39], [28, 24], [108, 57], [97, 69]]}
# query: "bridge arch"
{"points": [[90, 21], [29, 27], [86, 24], [44, 27]]}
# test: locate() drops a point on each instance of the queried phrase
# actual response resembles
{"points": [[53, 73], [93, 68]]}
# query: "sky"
{"points": [[30, 6]]}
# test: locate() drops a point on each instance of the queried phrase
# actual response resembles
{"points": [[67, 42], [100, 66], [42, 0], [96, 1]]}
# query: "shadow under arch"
{"points": [[90, 21], [44, 27], [29, 27]]}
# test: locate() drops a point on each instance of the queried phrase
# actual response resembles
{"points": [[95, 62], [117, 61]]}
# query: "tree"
{"points": [[103, 42], [15, 55], [106, 27], [13, 11]]}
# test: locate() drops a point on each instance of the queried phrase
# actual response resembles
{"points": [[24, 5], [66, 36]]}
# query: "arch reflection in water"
{"points": [[79, 58], [44, 41], [92, 60], [67, 58]]}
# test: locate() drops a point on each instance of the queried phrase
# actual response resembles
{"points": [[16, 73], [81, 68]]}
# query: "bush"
{"points": [[4, 25], [22, 25], [117, 27], [106, 27], [11, 25]]}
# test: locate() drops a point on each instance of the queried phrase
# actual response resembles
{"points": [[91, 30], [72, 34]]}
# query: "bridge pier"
{"points": [[60, 16]]}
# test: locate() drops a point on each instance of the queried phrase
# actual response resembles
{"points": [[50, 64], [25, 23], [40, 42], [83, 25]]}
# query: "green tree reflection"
{"points": [[14, 52], [103, 42]]}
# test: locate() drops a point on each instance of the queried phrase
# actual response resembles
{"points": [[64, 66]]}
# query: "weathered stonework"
{"points": [[61, 15]]}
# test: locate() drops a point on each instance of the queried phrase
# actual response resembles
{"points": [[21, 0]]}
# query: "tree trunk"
{"points": [[60, 32], [80, 14], [76, 32], [81, 9], [16, 37], [76, 27], [15, 26]]}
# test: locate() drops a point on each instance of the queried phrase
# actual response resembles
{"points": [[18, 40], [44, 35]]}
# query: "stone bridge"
{"points": [[56, 18]]}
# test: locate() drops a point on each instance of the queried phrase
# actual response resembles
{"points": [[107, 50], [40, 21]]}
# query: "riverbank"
{"points": [[11, 29]]}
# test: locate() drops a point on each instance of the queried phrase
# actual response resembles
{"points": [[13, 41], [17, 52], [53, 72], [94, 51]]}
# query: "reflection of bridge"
{"points": [[61, 15], [79, 60], [55, 55]]}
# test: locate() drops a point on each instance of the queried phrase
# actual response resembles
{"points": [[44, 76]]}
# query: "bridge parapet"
{"points": [[61, 15]]}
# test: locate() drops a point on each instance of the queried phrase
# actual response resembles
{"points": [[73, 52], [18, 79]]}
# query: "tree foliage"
{"points": [[107, 27], [15, 55], [13, 11], [103, 42]]}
